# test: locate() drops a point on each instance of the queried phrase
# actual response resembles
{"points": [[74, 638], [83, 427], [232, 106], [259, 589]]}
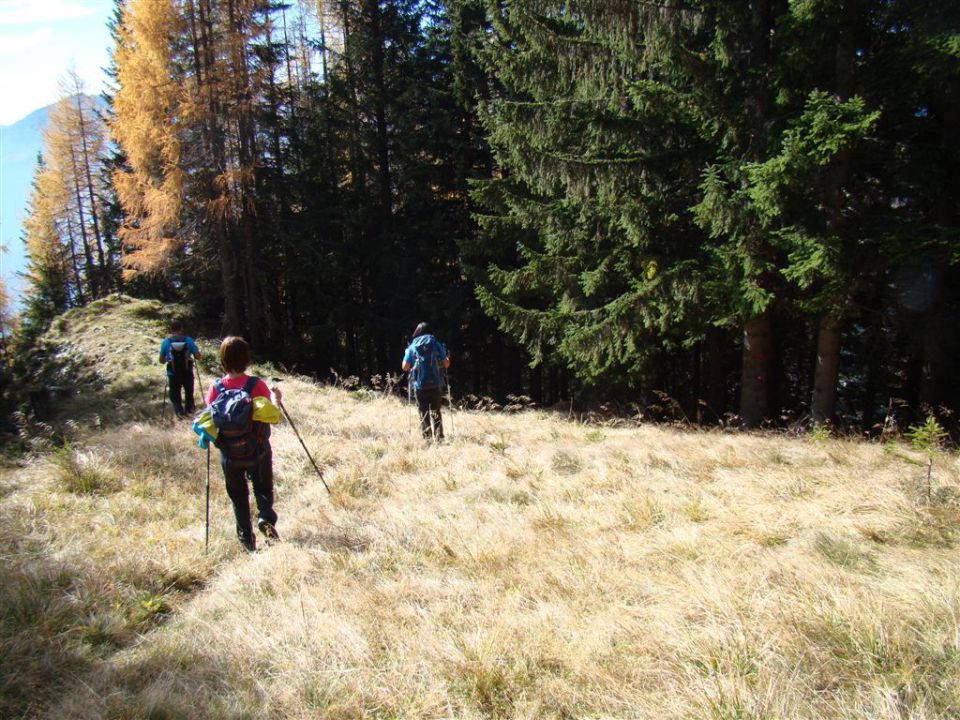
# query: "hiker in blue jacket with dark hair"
{"points": [[423, 359], [178, 352]]}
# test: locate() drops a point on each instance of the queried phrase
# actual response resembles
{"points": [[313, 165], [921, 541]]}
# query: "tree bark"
{"points": [[87, 253], [246, 154], [216, 141], [826, 374], [716, 372], [755, 377], [229, 280], [824, 402], [380, 109], [90, 190], [73, 264]]}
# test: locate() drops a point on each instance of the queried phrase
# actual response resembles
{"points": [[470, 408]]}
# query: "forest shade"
{"points": [[698, 209]]}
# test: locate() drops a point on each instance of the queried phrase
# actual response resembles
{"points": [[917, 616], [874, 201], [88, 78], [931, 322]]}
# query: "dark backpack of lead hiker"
{"points": [[424, 358], [426, 354], [177, 352]]}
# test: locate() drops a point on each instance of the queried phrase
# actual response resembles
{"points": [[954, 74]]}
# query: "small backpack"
{"points": [[178, 356], [426, 369], [238, 436]]}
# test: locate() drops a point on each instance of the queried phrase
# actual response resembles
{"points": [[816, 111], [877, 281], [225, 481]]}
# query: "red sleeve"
{"points": [[261, 390], [212, 393]]}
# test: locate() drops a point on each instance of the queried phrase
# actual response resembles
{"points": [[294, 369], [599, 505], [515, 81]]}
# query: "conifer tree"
{"points": [[148, 97], [792, 190], [53, 276], [709, 197], [7, 320], [595, 254], [193, 149], [730, 149], [69, 258]]}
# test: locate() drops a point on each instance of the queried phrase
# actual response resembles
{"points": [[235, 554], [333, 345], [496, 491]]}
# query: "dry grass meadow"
{"points": [[532, 567]]}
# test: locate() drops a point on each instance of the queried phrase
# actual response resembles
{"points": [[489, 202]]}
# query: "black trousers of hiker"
{"points": [[260, 476], [429, 401], [181, 392]]}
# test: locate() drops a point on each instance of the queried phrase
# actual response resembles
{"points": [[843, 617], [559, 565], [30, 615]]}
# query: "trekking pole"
{"points": [[297, 433], [196, 367], [446, 377], [409, 403], [206, 534], [196, 370], [413, 394], [166, 391]]}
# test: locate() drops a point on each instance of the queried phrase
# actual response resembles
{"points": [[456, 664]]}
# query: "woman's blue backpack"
{"points": [[426, 369], [238, 438]]}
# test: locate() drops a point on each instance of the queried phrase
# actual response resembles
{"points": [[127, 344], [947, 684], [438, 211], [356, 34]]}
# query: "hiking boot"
{"points": [[268, 530], [249, 542]]}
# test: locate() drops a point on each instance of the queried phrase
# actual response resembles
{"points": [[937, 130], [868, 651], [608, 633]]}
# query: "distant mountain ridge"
{"points": [[21, 136]]}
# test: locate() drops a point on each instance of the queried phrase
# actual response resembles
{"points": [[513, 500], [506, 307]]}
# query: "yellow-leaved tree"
{"points": [[74, 149], [147, 116], [70, 255], [184, 118]]}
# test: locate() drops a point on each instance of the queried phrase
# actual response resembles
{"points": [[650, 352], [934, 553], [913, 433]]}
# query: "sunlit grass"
{"points": [[529, 568]]}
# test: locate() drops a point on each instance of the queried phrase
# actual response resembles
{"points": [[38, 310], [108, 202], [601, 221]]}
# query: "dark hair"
{"points": [[176, 326], [234, 354], [423, 329]]}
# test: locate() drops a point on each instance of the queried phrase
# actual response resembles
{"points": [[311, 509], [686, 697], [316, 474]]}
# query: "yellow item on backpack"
{"points": [[264, 411]]}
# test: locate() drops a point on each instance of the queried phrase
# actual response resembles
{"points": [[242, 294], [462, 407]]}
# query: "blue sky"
{"points": [[39, 41]]}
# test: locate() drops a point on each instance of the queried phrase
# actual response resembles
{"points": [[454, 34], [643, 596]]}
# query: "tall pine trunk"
{"points": [[229, 281], [716, 372], [74, 265], [380, 109], [824, 401], [826, 375], [89, 270], [755, 377], [88, 175], [229, 277], [246, 152]]}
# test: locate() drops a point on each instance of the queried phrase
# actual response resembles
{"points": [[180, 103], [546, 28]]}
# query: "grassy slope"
{"points": [[530, 568]]}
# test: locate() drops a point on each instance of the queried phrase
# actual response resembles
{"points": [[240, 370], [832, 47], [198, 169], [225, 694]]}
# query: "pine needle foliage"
{"points": [[602, 273], [668, 168]]}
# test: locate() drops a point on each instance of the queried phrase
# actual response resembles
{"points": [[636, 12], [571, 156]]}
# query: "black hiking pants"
{"points": [[429, 401], [260, 476], [181, 392]]}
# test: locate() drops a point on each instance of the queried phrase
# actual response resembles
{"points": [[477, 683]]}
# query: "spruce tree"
{"points": [[594, 258]]}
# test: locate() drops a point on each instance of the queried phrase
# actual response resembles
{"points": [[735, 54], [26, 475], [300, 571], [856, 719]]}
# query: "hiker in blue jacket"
{"points": [[178, 352], [423, 359]]}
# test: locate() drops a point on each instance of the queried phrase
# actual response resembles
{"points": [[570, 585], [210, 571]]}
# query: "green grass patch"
{"points": [[643, 514], [78, 475], [844, 552], [695, 510], [566, 463]]}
